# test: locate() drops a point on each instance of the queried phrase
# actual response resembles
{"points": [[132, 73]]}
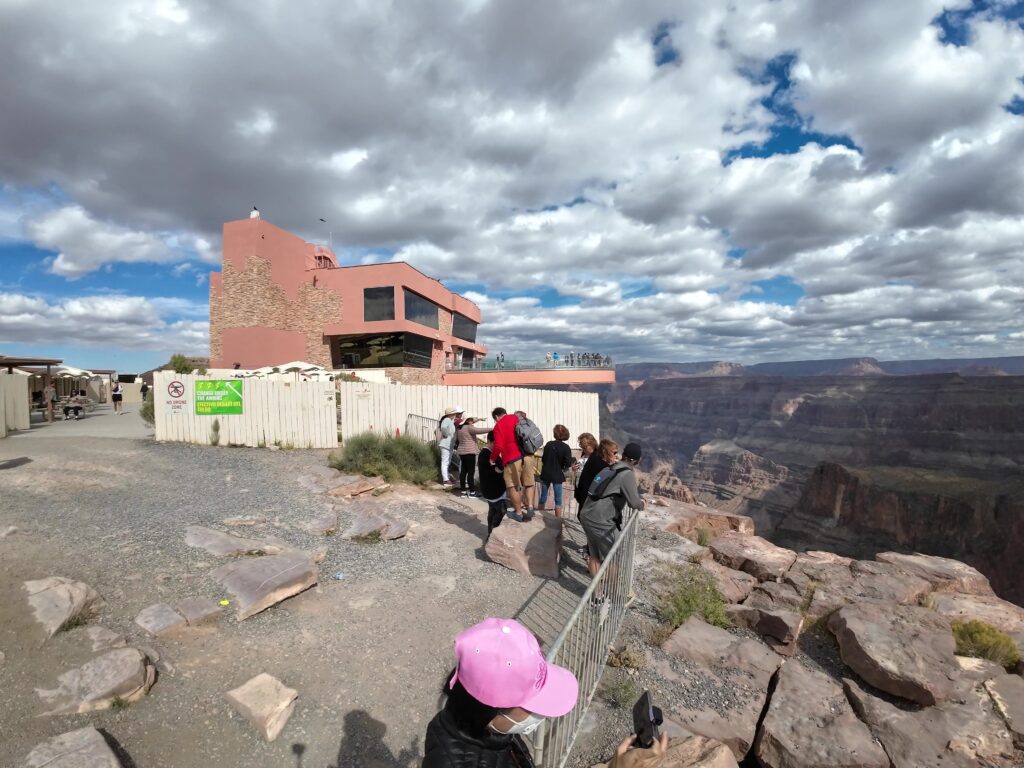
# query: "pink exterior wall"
{"points": [[293, 271], [255, 347], [529, 378]]}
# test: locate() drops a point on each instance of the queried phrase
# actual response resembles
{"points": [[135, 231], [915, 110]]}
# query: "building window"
{"points": [[419, 351], [379, 303], [463, 328], [420, 310], [392, 350]]}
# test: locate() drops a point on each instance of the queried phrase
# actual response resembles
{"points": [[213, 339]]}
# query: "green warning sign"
{"points": [[218, 398]]}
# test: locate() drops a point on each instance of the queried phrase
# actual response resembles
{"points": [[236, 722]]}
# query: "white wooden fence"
{"points": [[14, 410], [299, 414], [383, 408]]}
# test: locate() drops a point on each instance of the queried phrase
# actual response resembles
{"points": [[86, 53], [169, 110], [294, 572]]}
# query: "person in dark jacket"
{"points": [[592, 464], [557, 458], [502, 688], [492, 486]]}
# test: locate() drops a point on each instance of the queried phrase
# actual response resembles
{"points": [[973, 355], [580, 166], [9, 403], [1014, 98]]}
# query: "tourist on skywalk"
{"points": [[610, 492], [468, 448], [501, 690], [557, 458]]}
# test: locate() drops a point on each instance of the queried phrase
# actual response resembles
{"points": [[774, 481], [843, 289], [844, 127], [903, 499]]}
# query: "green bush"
{"points": [[393, 458], [180, 364], [983, 641], [215, 432], [147, 409], [693, 593], [703, 537], [621, 692]]}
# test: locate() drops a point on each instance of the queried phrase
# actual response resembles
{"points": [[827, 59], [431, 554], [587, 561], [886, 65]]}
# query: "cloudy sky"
{"points": [[656, 180]]}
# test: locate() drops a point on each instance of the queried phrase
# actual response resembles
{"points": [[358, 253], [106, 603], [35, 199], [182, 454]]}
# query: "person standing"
{"points": [[557, 458], [446, 441], [501, 689], [116, 396], [611, 491], [144, 390], [590, 464], [509, 457], [468, 449], [49, 399], [492, 487], [531, 443]]}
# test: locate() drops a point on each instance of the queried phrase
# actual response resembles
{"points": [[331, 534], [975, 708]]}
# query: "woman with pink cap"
{"points": [[502, 687]]}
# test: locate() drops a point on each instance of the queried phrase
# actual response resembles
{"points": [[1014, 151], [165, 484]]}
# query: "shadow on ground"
{"points": [[362, 746]]}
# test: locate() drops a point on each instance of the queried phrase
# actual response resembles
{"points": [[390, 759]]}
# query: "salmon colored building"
{"points": [[279, 298]]}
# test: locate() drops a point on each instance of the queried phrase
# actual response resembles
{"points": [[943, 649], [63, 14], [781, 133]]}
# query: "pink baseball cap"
{"points": [[501, 665]]}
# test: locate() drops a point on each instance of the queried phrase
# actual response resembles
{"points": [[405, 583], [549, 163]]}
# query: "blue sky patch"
{"points": [[664, 50], [778, 290]]}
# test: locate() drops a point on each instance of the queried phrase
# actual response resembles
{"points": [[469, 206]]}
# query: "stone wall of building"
{"points": [[250, 298]]}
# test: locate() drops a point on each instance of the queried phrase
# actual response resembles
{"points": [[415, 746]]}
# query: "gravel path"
{"points": [[367, 652]]}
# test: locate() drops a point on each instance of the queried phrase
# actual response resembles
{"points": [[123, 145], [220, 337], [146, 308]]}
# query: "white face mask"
{"points": [[523, 727]]}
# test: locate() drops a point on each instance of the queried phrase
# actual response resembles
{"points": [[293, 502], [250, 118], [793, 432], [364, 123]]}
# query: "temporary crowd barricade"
{"points": [[582, 645], [14, 403]]}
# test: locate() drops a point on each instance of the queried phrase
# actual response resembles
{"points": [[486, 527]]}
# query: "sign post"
{"points": [[218, 397]]}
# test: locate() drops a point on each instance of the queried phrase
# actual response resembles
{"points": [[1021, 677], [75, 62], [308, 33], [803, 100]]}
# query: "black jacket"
{"points": [[556, 459], [492, 483], [594, 465], [447, 746]]}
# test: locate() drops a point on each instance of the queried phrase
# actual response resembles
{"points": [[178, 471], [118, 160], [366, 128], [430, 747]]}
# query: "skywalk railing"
{"points": [[521, 365]]}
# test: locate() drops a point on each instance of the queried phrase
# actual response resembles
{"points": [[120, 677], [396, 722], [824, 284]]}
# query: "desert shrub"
{"points": [[146, 412], [808, 597], [215, 432], [621, 692], [692, 592], [659, 633], [392, 458], [703, 537], [983, 641], [180, 364], [630, 657]]}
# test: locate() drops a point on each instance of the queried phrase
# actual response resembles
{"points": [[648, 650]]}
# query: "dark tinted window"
{"points": [[420, 310], [368, 351], [379, 303], [418, 350], [463, 328]]}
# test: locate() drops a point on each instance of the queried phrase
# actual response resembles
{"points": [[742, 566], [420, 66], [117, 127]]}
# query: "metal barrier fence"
{"points": [[420, 427], [582, 646]]}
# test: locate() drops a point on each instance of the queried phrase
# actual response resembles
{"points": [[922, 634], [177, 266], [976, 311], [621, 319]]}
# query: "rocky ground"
{"points": [[830, 661], [366, 648]]}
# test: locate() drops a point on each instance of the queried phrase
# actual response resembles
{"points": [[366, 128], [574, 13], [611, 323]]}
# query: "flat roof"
{"points": [[18, 362]]}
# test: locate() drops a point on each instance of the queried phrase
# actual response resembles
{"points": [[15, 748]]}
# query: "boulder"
{"points": [[978, 670], [679, 551], [533, 547], [956, 734], [734, 586], [757, 556], [356, 488], [265, 702], [780, 629], [84, 748], [1007, 692], [200, 610], [258, 583], [943, 574], [1000, 614], [160, 619], [687, 752], [382, 526], [907, 651], [885, 583], [323, 525], [810, 723], [124, 674], [735, 672], [775, 596], [227, 545], [688, 519], [57, 602], [103, 638]]}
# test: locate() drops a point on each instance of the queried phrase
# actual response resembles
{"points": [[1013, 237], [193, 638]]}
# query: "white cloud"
{"points": [[538, 145], [120, 322]]}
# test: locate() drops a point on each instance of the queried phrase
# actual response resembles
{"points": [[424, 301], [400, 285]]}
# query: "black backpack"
{"points": [[602, 480]]}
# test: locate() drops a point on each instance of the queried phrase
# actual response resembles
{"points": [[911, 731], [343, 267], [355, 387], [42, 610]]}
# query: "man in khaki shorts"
{"points": [[529, 477], [506, 451]]}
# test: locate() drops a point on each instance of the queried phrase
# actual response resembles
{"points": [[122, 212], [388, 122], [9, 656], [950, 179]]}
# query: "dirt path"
{"points": [[367, 652]]}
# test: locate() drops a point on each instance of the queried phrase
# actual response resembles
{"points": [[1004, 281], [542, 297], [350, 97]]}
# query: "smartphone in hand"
{"points": [[646, 719]]}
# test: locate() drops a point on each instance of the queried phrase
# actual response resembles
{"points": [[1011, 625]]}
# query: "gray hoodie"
{"points": [[621, 492]]}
